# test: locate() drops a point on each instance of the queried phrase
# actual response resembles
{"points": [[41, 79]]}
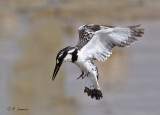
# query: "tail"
{"points": [[93, 93], [92, 88]]}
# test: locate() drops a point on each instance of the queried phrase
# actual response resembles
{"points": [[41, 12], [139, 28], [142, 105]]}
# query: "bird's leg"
{"points": [[85, 75], [81, 76]]}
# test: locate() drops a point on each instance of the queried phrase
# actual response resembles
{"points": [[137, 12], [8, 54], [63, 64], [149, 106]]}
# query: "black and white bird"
{"points": [[95, 43]]}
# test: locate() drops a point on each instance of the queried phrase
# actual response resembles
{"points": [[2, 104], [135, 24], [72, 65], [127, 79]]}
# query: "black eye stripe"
{"points": [[62, 54]]}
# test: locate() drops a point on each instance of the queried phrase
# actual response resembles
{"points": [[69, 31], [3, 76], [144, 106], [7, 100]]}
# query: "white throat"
{"points": [[68, 58]]}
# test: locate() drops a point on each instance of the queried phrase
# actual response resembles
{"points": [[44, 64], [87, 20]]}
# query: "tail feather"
{"points": [[94, 93], [92, 88]]}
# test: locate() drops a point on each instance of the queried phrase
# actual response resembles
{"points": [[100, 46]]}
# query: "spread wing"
{"points": [[105, 38]]}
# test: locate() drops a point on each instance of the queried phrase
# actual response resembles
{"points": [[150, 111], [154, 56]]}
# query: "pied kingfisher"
{"points": [[95, 43]]}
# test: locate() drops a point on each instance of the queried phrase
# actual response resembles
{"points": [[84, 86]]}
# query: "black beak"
{"points": [[58, 65]]}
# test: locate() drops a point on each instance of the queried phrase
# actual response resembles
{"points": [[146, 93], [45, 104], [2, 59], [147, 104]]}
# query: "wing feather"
{"points": [[104, 40], [86, 33]]}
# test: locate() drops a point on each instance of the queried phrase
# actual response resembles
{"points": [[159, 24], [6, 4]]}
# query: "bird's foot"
{"points": [[94, 93], [83, 75]]}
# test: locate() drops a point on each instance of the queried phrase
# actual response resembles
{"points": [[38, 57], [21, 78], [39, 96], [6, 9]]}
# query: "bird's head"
{"points": [[64, 55]]}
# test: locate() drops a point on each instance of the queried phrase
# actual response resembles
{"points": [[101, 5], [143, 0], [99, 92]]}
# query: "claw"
{"points": [[81, 76]]}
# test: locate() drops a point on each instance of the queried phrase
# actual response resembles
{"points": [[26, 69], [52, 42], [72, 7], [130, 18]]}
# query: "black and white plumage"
{"points": [[96, 43]]}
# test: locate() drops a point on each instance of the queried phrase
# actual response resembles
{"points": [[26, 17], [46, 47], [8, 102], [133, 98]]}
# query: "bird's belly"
{"points": [[82, 65]]}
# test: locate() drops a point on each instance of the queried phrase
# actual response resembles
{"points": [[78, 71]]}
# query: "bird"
{"points": [[96, 42]]}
